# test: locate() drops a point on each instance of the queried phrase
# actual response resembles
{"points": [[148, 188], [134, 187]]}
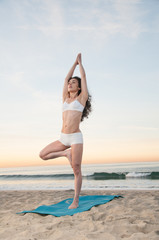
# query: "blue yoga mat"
{"points": [[61, 208]]}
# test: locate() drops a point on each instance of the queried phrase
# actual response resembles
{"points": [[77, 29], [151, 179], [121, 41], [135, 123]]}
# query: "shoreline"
{"points": [[88, 189], [135, 216], [83, 190]]}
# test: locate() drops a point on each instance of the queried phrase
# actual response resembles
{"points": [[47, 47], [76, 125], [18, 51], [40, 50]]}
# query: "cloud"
{"points": [[129, 14], [44, 16], [37, 99], [95, 19]]}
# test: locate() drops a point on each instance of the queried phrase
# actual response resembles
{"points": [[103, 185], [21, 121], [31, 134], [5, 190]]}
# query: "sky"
{"points": [[39, 42]]}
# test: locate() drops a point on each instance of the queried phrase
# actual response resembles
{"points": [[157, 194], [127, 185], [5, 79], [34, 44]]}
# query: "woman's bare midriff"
{"points": [[71, 121]]}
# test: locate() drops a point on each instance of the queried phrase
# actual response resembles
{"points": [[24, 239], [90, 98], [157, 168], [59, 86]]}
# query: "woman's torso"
{"points": [[71, 117]]}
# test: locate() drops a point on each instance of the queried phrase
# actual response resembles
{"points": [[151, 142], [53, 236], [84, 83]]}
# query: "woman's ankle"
{"points": [[76, 199]]}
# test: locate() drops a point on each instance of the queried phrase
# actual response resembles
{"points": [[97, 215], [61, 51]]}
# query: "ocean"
{"points": [[137, 175]]}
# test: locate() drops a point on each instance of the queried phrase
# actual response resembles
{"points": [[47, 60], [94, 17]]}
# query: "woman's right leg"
{"points": [[54, 150]]}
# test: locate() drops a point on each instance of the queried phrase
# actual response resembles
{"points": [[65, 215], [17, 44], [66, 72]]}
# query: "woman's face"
{"points": [[73, 85]]}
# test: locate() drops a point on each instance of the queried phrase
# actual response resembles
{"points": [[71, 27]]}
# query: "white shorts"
{"points": [[71, 138]]}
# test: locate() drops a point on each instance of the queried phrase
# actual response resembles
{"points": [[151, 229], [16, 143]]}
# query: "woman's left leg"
{"points": [[77, 151]]}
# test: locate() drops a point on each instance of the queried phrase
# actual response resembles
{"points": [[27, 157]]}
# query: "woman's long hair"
{"points": [[88, 107]]}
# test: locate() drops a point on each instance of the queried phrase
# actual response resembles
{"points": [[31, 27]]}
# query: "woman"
{"points": [[76, 106]]}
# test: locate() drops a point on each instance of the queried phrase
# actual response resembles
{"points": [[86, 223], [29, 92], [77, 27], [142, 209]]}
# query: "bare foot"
{"points": [[69, 156], [73, 205]]}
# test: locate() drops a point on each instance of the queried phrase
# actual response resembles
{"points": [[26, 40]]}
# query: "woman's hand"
{"points": [[78, 59]]}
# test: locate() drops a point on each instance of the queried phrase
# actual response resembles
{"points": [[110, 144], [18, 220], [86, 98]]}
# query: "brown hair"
{"points": [[88, 107]]}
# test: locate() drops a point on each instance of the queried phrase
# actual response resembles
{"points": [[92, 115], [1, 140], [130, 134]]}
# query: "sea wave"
{"points": [[138, 174], [92, 176], [36, 176], [106, 176]]}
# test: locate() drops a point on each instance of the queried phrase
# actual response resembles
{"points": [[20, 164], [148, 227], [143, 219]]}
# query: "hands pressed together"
{"points": [[78, 59]]}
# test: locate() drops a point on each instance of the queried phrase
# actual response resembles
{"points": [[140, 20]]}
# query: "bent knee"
{"points": [[42, 156]]}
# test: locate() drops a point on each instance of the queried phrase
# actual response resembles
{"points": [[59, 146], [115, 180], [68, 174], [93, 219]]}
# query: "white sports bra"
{"points": [[75, 106]]}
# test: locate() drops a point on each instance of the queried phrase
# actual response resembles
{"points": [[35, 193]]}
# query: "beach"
{"points": [[133, 217]]}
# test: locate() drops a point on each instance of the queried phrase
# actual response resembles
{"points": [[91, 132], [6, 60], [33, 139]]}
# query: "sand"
{"points": [[136, 216]]}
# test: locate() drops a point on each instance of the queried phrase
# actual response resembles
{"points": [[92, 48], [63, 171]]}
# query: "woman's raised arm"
{"points": [[84, 89], [69, 75]]}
